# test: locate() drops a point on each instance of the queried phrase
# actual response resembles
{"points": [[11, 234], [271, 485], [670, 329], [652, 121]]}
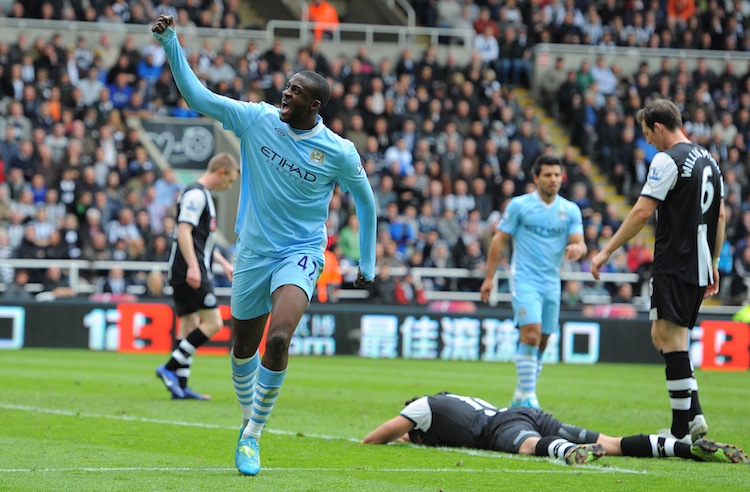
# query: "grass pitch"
{"points": [[86, 421]]}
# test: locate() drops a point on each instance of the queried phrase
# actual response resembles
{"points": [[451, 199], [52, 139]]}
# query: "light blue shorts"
{"points": [[257, 277], [532, 305]]}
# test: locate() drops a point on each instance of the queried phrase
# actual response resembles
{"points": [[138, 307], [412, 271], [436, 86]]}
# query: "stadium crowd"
{"points": [[445, 143]]}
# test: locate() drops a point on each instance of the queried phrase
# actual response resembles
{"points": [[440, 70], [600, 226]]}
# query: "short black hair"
{"points": [[661, 111], [412, 400], [545, 160], [319, 88]]}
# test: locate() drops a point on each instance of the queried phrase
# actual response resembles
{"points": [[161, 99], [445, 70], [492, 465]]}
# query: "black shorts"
{"points": [[188, 300], [674, 300], [509, 429]]}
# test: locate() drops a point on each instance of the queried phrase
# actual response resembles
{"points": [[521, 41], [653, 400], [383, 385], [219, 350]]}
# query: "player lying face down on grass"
{"points": [[450, 420]]}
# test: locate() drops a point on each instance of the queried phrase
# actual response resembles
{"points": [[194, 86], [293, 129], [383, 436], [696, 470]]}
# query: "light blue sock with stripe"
{"points": [[244, 375], [266, 391], [526, 370]]}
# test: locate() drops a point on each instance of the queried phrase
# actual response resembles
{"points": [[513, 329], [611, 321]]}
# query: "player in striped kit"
{"points": [[451, 420], [685, 189], [191, 273]]}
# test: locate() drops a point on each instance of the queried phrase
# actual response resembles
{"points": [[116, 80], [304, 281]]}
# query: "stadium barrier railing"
{"points": [[77, 272], [381, 40]]}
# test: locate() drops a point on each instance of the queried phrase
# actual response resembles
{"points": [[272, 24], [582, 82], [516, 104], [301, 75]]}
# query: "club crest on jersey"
{"points": [[562, 215], [317, 157], [280, 132], [209, 300]]}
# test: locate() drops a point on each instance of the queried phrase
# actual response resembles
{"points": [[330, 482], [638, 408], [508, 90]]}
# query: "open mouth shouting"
{"points": [[285, 108]]}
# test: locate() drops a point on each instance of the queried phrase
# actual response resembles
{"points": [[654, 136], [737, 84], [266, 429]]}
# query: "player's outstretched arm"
{"points": [[368, 220], [389, 431], [638, 216], [713, 288], [493, 260], [226, 265], [195, 93]]}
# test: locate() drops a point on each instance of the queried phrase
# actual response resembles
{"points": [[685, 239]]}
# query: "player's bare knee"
{"points": [[243, 347], [531, 339], [658, 341], [211, 328], [277, 345]]}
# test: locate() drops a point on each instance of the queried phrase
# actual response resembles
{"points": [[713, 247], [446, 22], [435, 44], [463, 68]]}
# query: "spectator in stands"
{"points": [[638, 254], [164, 7], [439, 257], [122, 228], [383, 289], [167, 188], [460, 201], [572, 294], [623, 294], [16, 290], [550, 86], [604, 77], [115, 283], [485, 20], [447, 13], [385, 194], [568, 97], [43, 227], [740, 275], [724, 130], [24, 160], [30, 247], [348, 240], [57, 284], [148, 71], [15, 228], [487, 45], [400, 230], [471, 259], [155, 284], [105, 54], [38, 189], [609, 139], [330, 279], [409, 291], [324, 17], [682, 10], [160, 249], [398, 155]]}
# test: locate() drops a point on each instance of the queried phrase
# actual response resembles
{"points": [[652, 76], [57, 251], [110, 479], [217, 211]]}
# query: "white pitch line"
{"points": [[296, 469], [128, 418], [145, 420]]}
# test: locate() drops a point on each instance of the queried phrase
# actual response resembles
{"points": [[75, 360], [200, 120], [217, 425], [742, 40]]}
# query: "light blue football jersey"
{"points": [[287, 176], [287, 179], [540, 235]]}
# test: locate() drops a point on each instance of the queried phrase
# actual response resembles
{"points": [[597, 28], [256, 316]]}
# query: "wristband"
{"points": [[716, 263]]}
